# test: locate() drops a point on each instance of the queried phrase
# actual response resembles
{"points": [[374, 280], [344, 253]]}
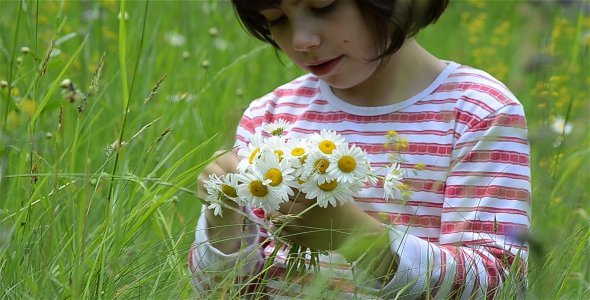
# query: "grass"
{"points": [[97, 194]]}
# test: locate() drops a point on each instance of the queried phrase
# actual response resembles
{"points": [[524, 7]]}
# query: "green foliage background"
{"points": [[80, 220]]}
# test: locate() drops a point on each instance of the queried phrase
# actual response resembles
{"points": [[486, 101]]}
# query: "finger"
{"points": [[285, 207], [229, 162], [294, 207]]}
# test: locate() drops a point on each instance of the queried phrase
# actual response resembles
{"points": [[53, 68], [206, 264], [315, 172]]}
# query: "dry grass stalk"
{"points": [[155, 90]]}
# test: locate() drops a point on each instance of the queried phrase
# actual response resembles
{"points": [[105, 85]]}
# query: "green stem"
{"points": [[126, 102]]}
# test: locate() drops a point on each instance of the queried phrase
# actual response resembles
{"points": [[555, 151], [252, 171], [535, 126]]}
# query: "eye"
{"points": [[325, 8], [273, 16], [277, 21]]}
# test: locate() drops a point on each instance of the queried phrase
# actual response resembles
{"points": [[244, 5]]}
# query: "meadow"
{"points": [[110, 109]]}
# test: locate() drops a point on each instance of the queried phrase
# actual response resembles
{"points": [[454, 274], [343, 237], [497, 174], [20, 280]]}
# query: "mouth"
{"points": [[325, 67]]}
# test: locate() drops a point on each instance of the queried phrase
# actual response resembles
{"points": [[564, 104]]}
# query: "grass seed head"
{"points": [[205, 64], [67, 84]]}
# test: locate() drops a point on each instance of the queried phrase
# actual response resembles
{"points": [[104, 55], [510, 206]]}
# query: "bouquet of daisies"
{"points": [[323, 167]]}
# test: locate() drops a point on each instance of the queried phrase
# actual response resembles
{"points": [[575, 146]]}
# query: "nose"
{"points": [[305, 36]]}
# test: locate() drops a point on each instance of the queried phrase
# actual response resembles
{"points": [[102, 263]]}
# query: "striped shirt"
{"points": [[468, 168]]}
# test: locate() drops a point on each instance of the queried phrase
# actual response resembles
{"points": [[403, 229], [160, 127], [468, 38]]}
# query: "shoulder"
{"points": [[477, 87], [481, 101]]}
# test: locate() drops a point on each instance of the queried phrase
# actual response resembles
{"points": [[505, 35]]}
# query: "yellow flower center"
{"points": [[257, 188], [229, 191], [254, 155], [347, 163], [275, 176], [328, 186], [401, 144], [302, 159], [327, 146], [279, 153], [321, 165], [391, 133], [298, 151]]}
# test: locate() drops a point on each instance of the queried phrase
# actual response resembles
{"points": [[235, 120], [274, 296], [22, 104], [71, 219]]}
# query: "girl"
{"points": [[467, 156]]}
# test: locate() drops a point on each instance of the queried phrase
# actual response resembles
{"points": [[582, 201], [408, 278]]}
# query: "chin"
{"points": [[341, 84]]}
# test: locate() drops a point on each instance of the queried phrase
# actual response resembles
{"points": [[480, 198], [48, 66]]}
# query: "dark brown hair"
{"points": [[392, 21]]}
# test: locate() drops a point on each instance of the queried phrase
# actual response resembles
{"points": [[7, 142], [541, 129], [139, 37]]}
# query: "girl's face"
{"points": [[328, 38]]}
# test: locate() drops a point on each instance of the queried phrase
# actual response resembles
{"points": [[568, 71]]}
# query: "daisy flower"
{"points": [[277, 128], [392, 181], [275, 144], [296, 151], [277, 174], [330, 192], [220, 189], [315, 167], [255, 190], [348, 163], [216, 208], [229, 184], [371, 179], [327, 140], [250, 154], [213, 187]]}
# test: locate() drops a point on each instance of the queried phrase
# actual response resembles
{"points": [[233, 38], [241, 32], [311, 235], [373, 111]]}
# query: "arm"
{"points": [[486, 204], [224, 246]]}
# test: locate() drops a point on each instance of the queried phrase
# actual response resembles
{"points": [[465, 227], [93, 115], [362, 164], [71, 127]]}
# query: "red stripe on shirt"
{"points": [[498, 156], [508, 193], [424, 221], [499, 228]]}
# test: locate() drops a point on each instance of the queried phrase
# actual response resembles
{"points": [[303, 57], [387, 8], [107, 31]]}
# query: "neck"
{"points": [[406, 73]]}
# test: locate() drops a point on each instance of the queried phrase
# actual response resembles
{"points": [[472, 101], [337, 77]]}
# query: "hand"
{"points": [[345, 228], [319, 228]]}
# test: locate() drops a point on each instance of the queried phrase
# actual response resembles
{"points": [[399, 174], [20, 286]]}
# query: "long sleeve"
{"points": [[210, 267], [457, 235], [486, 206]]}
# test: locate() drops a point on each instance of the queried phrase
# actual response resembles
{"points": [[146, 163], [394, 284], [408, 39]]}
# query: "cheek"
{"points": [[295, 57]]}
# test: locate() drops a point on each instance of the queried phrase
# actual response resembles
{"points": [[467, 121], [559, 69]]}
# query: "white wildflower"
{"points": [[327, 140], [279, 127], [315, 167], [392, 181], [348, 163], [330, 192], [560, 126], [254, 189], [175, 39], [250, 154]]}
